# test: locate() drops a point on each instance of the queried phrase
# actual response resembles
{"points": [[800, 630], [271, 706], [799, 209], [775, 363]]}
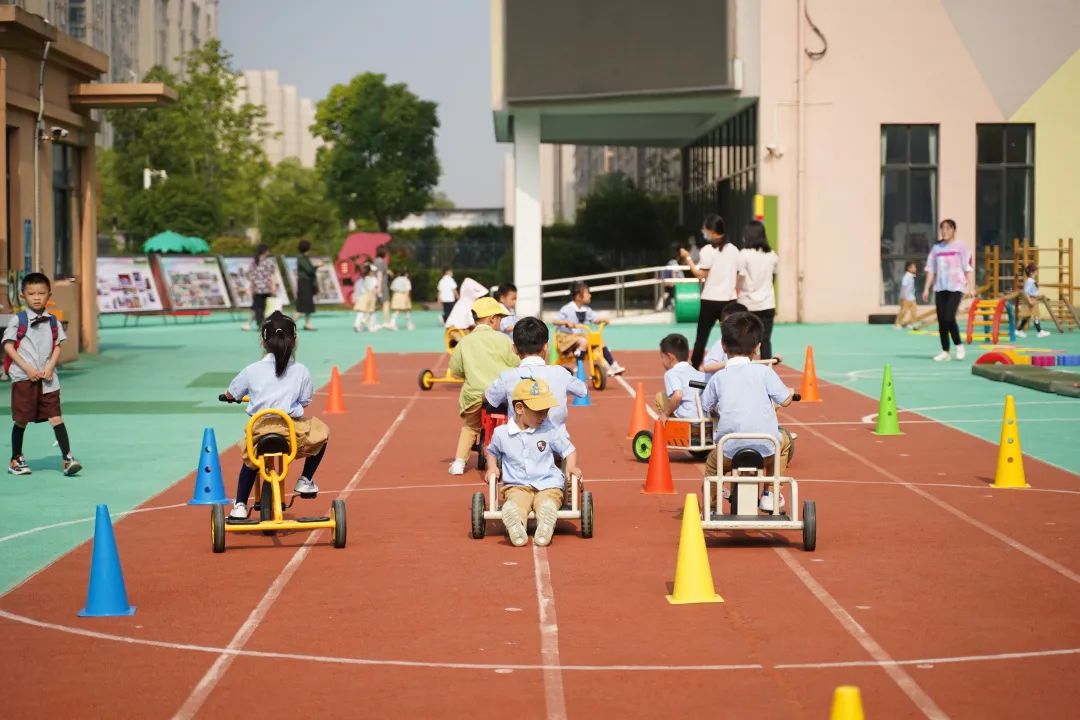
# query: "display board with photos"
{"points": [[327, 287], [194, 282], [238, 278], [127, 285]]}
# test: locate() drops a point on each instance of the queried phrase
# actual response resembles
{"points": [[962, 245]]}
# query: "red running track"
{"points": [[935, 594]]}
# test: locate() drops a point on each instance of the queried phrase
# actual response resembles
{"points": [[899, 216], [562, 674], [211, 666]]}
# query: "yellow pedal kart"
{"points": [[595, 366], [427, 378], [272, 454]]}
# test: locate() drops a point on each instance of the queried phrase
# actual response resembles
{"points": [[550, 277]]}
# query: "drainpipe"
{"points": [[800, 163], [39, 129]]}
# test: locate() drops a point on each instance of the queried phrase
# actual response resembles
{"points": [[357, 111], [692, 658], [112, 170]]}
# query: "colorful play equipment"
{"points": [[687, 302], [1034, 372], [1055, 263], [1010, 356], [987, 314]]}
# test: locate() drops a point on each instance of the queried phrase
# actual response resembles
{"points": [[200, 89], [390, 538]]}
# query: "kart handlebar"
{"points": [[226, 399]]}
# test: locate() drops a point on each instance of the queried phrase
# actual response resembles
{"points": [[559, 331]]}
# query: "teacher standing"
{"points": [[718, 266], [305, 285]]}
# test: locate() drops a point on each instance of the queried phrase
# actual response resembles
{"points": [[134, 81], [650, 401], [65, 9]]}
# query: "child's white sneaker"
{"points": [[961, 352], [306, 486], [942, 356], [545, 523], [615, 369], [1043, 333], [239, 511], [410, 326], [457, 467], [515, 525], [1021, 333], [767, 502], [18, 466]]}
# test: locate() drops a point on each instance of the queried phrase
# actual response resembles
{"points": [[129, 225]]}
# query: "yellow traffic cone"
{"points": [[693, 577], [1010, 460], [846, 704]]}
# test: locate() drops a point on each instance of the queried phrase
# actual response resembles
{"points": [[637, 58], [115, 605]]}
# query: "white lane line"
{"points": [[117, 518], [420, 664], [221, 665], [1014, 544], [554, 698], [898, 675]]}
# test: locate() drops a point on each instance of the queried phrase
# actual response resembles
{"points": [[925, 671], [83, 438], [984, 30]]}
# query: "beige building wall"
{"points": [[886, 63], [289, 117], [309, 144], [558, 199]]}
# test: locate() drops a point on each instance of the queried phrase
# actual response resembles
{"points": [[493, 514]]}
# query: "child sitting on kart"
{"points": [[479, 358], [573, 339], [678, 399], [716, 358], [530, 343], [524, 449], [279, 382], [507, 294], [744, 396]]}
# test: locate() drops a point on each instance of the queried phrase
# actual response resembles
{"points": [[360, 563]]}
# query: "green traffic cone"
{"points": [[887, 421]]}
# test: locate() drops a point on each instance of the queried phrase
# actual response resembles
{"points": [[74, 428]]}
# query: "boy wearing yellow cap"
{"points": [[524, 449], [479, 358]]}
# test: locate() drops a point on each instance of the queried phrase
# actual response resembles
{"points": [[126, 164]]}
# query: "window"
{"points": [[909, 157], [66, 208], [1004, 186], [719, 174]]}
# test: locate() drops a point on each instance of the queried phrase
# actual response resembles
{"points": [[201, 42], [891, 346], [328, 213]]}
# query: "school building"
{"points": [[865, 123], [48, 210]]}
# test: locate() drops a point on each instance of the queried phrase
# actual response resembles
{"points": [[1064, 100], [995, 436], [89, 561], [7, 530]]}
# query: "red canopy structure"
{"points": [[358, 247]]}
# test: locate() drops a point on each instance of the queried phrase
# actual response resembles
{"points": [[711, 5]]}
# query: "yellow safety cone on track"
{"points": [[693, 577], [1010, 459], [846, 704]]}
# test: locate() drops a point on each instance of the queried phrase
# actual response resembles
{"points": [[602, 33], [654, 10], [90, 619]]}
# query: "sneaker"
{"points": [[767, 504], [515, 525], [457, 467], [942, 356], [410, 327], [1043, 333], [1021, 333], [545, 524], [615, 369], [305, 486], [961, 352], [18, 466], [239, 511], [71, 466]]}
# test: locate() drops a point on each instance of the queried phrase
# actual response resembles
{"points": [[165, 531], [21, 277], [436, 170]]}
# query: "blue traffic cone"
{"points": [[209, 487], [106, 596], [582, 401]]}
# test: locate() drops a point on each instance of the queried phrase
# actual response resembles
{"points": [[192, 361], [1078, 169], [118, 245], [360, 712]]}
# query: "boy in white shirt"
{"points": [[573, 339], [447, 291], [507, 294], [678, 399], [716, 358]]}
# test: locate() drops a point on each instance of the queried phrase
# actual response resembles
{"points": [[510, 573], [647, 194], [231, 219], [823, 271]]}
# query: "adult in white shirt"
{"points": [[718, 266], [448, 292], [757, 268]]}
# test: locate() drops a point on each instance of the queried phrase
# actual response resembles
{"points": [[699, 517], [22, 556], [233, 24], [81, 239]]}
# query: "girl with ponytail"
{"points": [[278, 381]]}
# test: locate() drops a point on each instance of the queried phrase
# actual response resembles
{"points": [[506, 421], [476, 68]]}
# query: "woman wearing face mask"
{"points": [[718, 266]]}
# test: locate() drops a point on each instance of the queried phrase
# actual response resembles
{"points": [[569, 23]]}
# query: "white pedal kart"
{"points": [[742, 487], [577, 505]]}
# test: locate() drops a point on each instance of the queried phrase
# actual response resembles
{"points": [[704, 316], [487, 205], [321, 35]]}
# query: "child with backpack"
{"points": [[32, 349]]}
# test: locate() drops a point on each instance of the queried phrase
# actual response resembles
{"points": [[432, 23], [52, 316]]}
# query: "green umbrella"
{"points": [[167, 242], [197, 245]]}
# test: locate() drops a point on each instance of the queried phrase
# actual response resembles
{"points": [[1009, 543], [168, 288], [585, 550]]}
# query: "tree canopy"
{"points": [[296, 208]]}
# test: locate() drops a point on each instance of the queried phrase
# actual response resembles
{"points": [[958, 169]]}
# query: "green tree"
{"points": [[210, 147], [439, 201], [296, 208], [622, 222], [379, 159]]}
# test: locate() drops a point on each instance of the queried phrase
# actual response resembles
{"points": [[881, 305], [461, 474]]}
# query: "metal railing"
{"points": [[654, 277]]}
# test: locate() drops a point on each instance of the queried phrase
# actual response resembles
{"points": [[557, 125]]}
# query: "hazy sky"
{"points": [[439, 48]]}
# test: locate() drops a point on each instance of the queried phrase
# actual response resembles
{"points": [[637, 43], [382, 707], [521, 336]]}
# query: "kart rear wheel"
{"points": [[809, 528], [586, 515], [426, 380], [337, 514], [642, 446], [479, 525], [700, 454], [217, 528]]}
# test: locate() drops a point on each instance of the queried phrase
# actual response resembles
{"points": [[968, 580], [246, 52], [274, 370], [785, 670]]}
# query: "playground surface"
{"points": [[936, 594]]}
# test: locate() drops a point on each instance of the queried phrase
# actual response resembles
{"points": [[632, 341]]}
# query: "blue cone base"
{"points": [[120, 613]]}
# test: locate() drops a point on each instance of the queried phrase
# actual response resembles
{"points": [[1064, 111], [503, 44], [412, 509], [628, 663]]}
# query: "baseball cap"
{"points": [[488, 306], [535, 393]]}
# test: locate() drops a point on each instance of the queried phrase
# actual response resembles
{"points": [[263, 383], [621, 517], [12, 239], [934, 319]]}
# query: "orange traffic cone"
{"points": [[335, 404], [370, 377], [639, 418], [809, 378], [658, 479]]}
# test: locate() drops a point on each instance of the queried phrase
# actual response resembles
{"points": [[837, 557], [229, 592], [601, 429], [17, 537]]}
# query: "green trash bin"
{"points": [[687, 302]]}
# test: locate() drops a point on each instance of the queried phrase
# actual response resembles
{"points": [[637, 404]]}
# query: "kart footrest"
{"points": [[312, 519], [241, 521], [763, 517]]}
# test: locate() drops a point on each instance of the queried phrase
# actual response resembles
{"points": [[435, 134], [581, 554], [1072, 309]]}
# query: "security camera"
{"points": [[776, 151], [58, 133]]}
